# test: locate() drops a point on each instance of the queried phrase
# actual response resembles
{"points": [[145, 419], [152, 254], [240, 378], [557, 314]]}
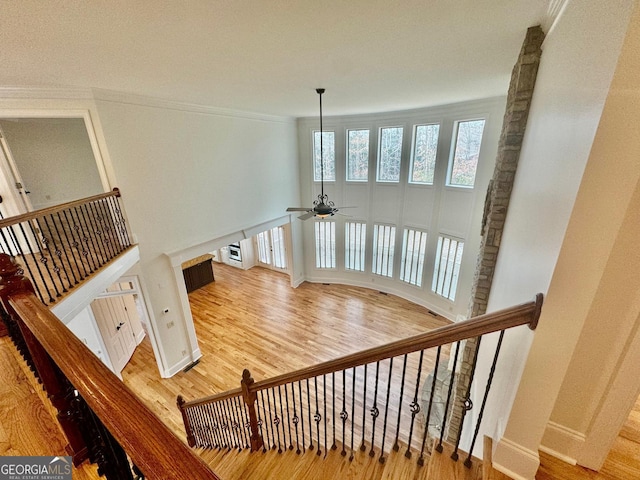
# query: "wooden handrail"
{"points": [[524, 314], [55, 209], [150, 443]]}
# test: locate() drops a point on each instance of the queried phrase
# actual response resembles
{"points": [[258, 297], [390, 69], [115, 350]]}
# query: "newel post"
{"points": [[57, 387], [250, 397], [187, 423]]}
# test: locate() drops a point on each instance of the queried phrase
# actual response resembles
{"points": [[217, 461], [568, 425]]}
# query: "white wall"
{"points": [[84, 326], [578, 61], [190, 175], [50, 152]]}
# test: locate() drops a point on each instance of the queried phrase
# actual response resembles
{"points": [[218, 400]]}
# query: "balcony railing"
{"points": [[397, 396], [59, 247], [102, 419]]}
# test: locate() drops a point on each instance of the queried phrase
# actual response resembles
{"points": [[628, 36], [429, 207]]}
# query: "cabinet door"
{"points": [[198, 276]]}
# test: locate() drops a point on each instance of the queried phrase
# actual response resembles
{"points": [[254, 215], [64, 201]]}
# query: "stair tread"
{"points": [[235, 464], [441, 466]]}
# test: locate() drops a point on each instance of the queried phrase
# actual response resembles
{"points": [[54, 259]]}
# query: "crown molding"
{"points": [[142, 100], [51, 93]]}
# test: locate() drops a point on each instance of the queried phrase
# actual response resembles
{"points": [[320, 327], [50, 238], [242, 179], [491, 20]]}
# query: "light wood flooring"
{"points": [[238, 328], [254, 319], [27, 420]]}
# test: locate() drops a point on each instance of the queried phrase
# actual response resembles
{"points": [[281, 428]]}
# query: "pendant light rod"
{"points": [[320, 91]]}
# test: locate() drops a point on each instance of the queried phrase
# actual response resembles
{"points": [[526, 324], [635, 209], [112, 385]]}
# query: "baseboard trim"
{"points": [[514, 460], [562, 442], [182, 364]]}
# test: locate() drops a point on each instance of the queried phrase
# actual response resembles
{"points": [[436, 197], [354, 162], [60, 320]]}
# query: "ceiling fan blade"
{"points": [[298, 209], [306, 216]]}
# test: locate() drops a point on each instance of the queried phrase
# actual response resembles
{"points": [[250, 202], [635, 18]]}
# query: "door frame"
{"points": [[57, 113], [287, 248]]}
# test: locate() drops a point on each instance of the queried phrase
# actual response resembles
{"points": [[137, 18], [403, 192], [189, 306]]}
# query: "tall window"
{"points": [[414, 247], [325, 244], [423, 158], [354, 245], [357, 155], [463, 165], [389, 154], [328, 156], [447, 267], [384, 244]]}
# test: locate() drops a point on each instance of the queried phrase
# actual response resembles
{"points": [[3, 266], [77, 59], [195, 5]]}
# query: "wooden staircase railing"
{"points": [[395, 396], [60, 246], [101, 418]]}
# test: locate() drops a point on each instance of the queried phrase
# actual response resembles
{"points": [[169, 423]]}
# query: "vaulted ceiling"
{"points": [[269, 56]]}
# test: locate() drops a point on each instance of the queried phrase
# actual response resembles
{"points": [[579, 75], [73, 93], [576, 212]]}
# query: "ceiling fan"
{"points": [[322, 206]]}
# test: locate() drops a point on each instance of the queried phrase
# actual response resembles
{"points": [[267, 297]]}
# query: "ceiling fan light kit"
{"points": [[322, 206]]}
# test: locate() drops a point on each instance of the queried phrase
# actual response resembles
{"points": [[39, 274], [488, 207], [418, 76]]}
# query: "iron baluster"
{"points": [[343, 413], [446, 406], [386, 411], [375, 411], [75, 244], [35, 261], [415, 406], [242, 420], [262, 423], [95, 206], [26, 265], [233, 425], [396, 445], [317, 417], [82, 240], [433, 391], [467, 404], [467, 462], [88, 237], [224, 427], [353, 410], [216, 427], [364, 409], [43, 248], [276, 420], [296, 419], [64, 242], [309, 415], [324, 402], [301, 414], [123, 224], [286, 396], [57, 252], [269, 427], [333, 408], [86, 215], [284, 432]]}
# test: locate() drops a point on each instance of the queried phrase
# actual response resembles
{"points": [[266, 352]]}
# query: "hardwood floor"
{"points": [[254, 319], [27, 420]]}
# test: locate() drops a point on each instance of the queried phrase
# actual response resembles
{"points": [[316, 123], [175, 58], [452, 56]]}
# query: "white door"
{"points": [[271, 249], [115, 326]]}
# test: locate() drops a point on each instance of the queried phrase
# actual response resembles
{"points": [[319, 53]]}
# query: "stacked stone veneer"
{"points": [[523, 79]]}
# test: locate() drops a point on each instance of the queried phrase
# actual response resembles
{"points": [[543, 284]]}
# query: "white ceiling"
{"points": [[268, 56]]}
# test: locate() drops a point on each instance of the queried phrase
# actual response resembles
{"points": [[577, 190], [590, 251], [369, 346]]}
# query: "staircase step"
{"points": [[234, 464], [442, 466]]}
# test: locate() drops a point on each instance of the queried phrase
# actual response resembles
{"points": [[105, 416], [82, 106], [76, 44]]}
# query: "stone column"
{"points": [[523, 79]]}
